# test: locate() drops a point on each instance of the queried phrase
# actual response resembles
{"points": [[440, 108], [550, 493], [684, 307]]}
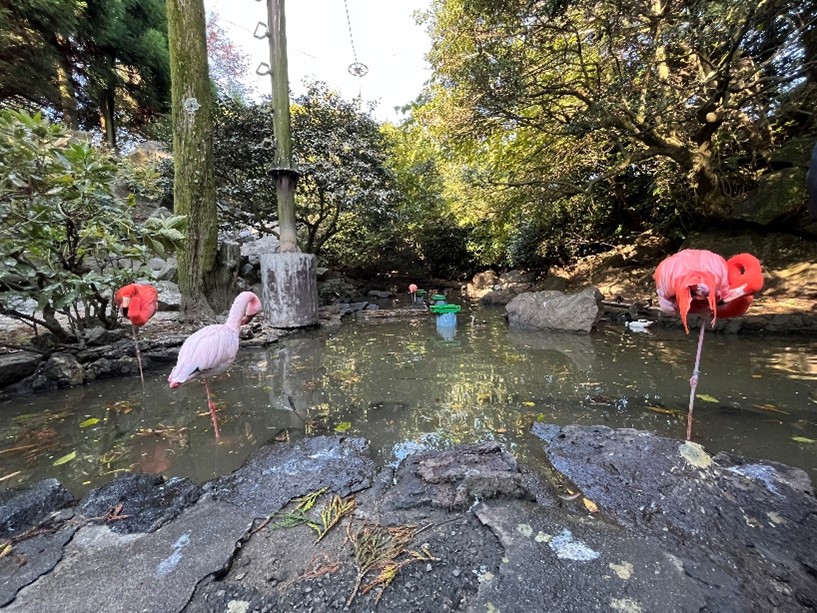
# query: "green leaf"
{"points": [[343, 426], [707, 398], [91, 421], [802, 439], [65, 459]]}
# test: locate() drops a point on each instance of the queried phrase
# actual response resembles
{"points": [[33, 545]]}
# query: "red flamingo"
{"points": [[699, 281], [137, 302], [211, 350], [413, 292]]}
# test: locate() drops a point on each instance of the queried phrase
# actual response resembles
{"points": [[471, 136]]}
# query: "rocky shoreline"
{"points": [[624, 521]]}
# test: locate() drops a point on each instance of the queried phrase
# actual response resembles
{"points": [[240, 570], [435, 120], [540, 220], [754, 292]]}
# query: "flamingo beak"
{"points": [[123, 308]]}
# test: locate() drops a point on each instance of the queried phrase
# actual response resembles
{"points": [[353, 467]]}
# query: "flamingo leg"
{"points": [[693, 380], [212, 409], [138, 356]]}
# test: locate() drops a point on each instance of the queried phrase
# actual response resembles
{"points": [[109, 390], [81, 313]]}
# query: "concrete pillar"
{"points": [[289, 289]]}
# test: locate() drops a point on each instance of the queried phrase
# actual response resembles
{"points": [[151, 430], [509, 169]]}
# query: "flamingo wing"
{"points": [[143, 305], [138, 302], [206, 353]]}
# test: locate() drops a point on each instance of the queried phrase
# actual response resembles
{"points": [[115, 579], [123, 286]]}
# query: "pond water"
{"points": [[406, 385]]}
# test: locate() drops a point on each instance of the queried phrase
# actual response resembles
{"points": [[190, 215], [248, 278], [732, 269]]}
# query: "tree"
{"points": [[34, 66], [121, 51], [599, 106], [94, 63], [347, 198], [341, 155], [229, 66], [194, 187]]}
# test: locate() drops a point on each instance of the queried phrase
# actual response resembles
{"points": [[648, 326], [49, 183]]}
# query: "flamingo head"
{"points": [[412, 288], [699, 287], [745, 277], [252, 309]]}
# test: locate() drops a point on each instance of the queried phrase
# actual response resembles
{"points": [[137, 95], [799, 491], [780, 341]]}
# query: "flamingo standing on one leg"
{"points": [[699, 281], [138, 302], [413, 292], [211, 350]]}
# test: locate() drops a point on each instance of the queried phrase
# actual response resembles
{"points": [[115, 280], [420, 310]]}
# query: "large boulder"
{"points": [[554, 310]]}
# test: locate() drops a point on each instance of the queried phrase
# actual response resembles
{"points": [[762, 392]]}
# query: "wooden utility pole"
{"points": [[286, 178], [289, 278]]}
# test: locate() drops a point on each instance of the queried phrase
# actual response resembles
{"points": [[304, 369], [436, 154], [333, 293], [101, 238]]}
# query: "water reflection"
{"points": [[407, 385]]}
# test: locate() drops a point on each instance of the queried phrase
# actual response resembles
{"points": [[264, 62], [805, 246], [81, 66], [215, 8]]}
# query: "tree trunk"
{"points": [[106, 110], [194, 186]]}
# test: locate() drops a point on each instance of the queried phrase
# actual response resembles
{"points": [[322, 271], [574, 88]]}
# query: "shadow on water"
{"points": [[409, 384]]}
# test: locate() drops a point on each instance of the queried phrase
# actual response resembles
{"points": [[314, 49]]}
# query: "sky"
{"points": [[386, 39]]}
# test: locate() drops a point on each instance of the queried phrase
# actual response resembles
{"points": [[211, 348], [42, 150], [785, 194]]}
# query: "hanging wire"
{"points": [[356, 69]]}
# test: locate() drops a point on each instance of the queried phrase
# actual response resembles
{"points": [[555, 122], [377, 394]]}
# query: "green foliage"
{"points": [[65, 241], [564, 127], [346, 199], [86, 61]]}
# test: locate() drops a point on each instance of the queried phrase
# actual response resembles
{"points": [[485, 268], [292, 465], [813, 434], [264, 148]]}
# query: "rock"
{"points": [[170, 297], [252, 250], [555, 283], [517, 278], [379, 294], [498, 297], [61, 370], [21, 509], [280, 472], [99, 336], [455, 478], [148, 152], [741, 527], [148, 501], [17, 366], [481, 284], [165, 270], [552, 310]]}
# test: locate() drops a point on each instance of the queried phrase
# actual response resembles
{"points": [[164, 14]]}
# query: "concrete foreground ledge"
{"points": [[623, 521]]}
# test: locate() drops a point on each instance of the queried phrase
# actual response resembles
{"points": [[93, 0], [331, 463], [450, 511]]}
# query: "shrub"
{"points": [[65, 240]]}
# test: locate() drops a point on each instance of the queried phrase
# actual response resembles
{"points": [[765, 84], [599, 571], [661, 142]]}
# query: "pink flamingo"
{"points": [[413, 292], [699, 281], [211, 350], [138, 302]]}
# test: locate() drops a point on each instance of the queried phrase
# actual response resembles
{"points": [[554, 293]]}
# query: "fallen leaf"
{"points": [[528, 403], [802, 439], [591, 506], [89, 422], [343, 426], [706, 398], [770, 407], [65, 459]]}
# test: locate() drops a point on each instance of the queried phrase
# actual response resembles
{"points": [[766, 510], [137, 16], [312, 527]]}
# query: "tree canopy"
{"points": [[619, 115]]}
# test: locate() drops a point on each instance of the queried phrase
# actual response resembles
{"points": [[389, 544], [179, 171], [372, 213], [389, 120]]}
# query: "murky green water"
{"points": [[404, 385]]}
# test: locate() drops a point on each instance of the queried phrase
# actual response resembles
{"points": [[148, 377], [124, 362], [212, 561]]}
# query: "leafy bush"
{"points": [[65, 241]]}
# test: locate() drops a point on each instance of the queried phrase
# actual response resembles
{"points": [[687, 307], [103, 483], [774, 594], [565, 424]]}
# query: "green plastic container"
{"points": [[439, 309]]}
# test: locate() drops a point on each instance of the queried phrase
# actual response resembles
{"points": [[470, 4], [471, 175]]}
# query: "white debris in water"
{"points": [[567, 547]]}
